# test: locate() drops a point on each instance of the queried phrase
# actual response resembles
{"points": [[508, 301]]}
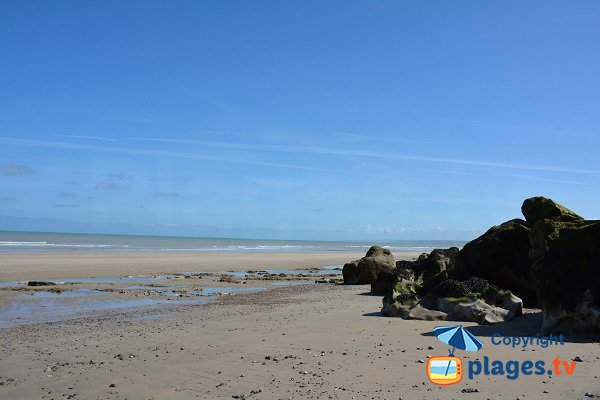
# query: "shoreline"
{"points": [[57, 265]]}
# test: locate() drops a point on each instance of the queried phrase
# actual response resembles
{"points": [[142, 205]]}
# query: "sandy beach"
{"points": [[312, 340], [46, 265]]}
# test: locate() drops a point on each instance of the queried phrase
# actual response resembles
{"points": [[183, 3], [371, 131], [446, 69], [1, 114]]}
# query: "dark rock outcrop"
{"points": [[552, 259], [537, 208], [501, 256], [439, 260], [566, 268], [366, 270], [428, 269], [350, 273], [385, 281], [40, 283], [377, 259]]}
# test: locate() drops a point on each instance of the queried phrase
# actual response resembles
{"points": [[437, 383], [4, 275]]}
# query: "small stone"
{"points": [[589, 394], [112, 385], [420, 361], [577, 359], [470, 390]]}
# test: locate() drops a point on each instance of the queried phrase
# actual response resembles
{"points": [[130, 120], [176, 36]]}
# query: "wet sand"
{"points": [[49, 265]]}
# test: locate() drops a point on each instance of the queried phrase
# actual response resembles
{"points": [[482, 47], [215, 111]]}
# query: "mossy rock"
{"points": [[433, 281], [405, 274], [350, 273], [384, 283], [567, 263], [376, 260], [449, 288], [538, 208], [476, 285], [439, 260], [500, 256], [503, 298], [402, 292]]}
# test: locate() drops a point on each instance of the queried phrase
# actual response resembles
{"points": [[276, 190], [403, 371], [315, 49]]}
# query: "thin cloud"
{"points": [[261, 182], [98, 138], [283, 148], [67, 195], [360, 153], [15, 170], [167, 195], [67, 206], [106, 185], [153, 153]]}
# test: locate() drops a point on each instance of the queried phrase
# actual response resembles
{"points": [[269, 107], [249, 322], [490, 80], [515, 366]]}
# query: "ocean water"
{"points": [[67, 242]]}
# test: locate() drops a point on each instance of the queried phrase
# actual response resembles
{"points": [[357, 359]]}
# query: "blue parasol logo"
{"points": [[457, 337]]}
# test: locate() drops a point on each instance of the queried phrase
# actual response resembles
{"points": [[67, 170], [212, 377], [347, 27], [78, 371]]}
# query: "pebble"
{"points": [[470, 390], [577, 359]]}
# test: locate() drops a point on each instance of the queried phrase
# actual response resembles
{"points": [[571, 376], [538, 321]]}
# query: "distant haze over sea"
{"points": [[62, 242]]}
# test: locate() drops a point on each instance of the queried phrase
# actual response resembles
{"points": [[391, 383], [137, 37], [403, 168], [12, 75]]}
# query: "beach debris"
{"points": [[470, 390], [577, 359]]}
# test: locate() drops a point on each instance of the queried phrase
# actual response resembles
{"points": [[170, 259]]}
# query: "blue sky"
{"points": [[295, 119]]}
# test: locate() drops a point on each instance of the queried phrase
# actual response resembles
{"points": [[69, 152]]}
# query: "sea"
{"points": [[30, 242]]}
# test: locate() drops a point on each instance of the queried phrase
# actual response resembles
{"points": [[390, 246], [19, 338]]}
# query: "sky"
{"points": [[329, 120]]}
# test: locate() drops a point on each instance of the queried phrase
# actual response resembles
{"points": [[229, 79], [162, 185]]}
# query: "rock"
{"points": [[501, 256], [566, 269], [437, 261], [449, 288], [366, 270], [40, 283], [424, 314], [503, 299], [400, 299], [537, 208], [405, 274], [468, 308], [387, 279], [350, 273], [384, 283]]}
